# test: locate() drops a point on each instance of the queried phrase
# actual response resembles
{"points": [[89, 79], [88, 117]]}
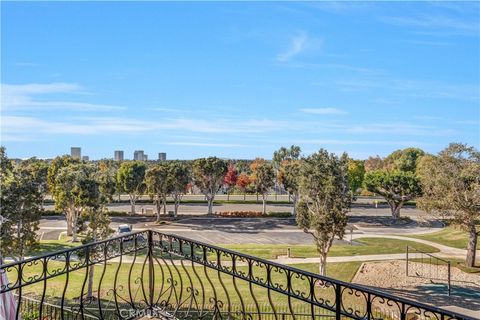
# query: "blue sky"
{"points": [[238, 80]]}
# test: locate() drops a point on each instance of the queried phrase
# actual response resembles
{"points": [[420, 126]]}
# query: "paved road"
{"points": [[228, 230]]}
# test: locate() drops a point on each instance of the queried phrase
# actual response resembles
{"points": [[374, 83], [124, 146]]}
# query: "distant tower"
{"points": [[76, 152], [162, 156], [138, 155], [145, 157], [118, 155], [85, 158]]}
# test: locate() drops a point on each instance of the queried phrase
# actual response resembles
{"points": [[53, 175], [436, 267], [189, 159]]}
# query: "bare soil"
{"points": [[426, 283]]}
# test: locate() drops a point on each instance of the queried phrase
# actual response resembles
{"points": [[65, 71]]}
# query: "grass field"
{"points": [[450, 236], [365, 246]]}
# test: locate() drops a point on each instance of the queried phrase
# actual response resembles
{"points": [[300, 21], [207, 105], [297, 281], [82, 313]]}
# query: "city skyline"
{"points": [[238, 80]]}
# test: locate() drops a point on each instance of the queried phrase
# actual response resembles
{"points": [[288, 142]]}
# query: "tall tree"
{"points": [[397, 187], [130, 179], [243, 181], [280, 157], [100, 191], [356, 173], [325, 200], [21, 207], [53, 169], [208, 176], [396, 179], [451, 186], [289, 177], [373, 164], [159, 186], [179, 179], [74, 192], [39, 170], [263, 180], [403, 160], [230, 179], [284, 154]]}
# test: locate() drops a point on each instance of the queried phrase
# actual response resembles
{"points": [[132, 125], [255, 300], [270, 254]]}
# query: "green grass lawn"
{"points": [[367, 246], [208, 281], [449, 236]]}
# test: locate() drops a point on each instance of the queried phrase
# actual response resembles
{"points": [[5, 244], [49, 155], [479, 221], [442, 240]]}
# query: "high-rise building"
{"points": [[145, 157], [118, 155], [76, 152], [138, 155], [162, 156], [85, 158]]}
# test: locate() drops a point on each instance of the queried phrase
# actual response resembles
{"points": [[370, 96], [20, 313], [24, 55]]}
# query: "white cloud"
{"points": [[297, 46], [16, 97], [322, 111]]}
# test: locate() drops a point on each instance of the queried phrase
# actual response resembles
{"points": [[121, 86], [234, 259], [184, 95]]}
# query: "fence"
{"points": [[428, 267], [149, 273]]}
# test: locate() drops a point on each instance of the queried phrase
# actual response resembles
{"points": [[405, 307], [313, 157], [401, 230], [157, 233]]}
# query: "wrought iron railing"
{"points": [[167, 276]]}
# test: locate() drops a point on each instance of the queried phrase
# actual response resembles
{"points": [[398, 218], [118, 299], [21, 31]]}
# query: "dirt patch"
{"points": [[425, 283]]}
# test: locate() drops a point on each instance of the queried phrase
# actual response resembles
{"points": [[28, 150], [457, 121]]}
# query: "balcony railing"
{"points": [[149, 273]]}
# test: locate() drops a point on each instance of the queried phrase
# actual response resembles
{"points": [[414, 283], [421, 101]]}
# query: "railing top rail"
{"points": [[428, 254]]}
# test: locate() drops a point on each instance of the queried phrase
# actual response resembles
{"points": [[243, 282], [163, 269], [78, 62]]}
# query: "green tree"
{"points": [[53, 169], [130, 179], [39, 170], [284, 154], [98, 182], [179, 179], [158, 185], [403, 160], [356, 173], [208, 176], [20, 209], [263, 180], [75, 191], [451, 186], [397, 187], [325, 200], [288, 176], [394, 178]]}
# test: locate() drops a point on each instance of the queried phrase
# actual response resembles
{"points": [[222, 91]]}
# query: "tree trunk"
{"points": [[175, 210], [257, 196], [159, 208], [472, 245], [74, 227], [244, 196], [323, 264], [210, 205], [68, 216], [132, 203], [228, 195], [294, 212], [264, 204], [395, 208], [91, 273], [164, 200]]}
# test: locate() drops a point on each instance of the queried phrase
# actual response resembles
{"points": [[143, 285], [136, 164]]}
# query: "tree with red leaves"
{"points": [[243, 180], [230, 179]]}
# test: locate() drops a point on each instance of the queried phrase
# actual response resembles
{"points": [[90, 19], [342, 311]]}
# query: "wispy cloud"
{"points": [[297, 46], [435, 22], [323, 111], [22, 96]]}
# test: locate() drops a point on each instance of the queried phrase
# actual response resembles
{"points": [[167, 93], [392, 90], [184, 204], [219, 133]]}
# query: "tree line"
{"points": [[321, 186]]}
